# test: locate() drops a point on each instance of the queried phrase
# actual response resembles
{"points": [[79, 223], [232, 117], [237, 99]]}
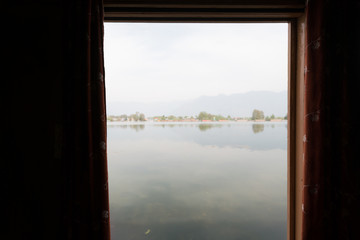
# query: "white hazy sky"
{"points": [[151, 62]]}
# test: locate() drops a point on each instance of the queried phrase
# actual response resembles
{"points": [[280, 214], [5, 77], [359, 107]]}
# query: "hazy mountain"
{"points": [[235, 105]]}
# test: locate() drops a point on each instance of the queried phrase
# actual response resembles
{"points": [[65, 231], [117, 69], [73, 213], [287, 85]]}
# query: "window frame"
{"points": [[242, 11]]}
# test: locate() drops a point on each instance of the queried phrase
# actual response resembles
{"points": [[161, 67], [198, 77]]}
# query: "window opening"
{"points": [[197, 130]]}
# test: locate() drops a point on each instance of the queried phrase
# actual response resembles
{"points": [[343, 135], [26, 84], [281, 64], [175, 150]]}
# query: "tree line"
{"points": [[136, 117], [202, 116], [259, 115]]}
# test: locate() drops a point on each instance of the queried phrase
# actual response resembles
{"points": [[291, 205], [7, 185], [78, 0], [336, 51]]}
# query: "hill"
{"points": [[235, 105]]}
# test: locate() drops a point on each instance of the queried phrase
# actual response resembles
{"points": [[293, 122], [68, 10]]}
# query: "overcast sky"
{"points": [[147, 62]]}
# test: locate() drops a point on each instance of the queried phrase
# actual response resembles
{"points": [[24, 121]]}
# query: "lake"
{"points": [[198, 181]]}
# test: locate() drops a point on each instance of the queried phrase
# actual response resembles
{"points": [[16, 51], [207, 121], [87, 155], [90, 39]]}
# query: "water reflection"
{"points": [[204, 127], [136, 127], [256, 127], [201, 126], [181, 183], [139, 127], [259, 136]]}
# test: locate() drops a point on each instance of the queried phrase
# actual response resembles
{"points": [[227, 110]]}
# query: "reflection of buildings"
{"points": [[256, 127]]}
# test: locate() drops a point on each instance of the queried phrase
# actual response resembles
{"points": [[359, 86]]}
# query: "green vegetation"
{"points": [[136, 117], [207, 116], [272, 117], [202, 117], [257, 115]]}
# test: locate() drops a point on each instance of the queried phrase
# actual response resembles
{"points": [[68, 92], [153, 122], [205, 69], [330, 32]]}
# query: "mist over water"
{"points": [[198, 181]]}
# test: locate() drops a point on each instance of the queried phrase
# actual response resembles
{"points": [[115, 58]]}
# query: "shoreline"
{"points": [[188, 122]]}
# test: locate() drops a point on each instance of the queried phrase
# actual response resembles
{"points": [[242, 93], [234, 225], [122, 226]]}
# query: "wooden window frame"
{"points": [[243, 11]]}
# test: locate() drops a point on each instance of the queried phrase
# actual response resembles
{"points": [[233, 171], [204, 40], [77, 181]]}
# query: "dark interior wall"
{"points": [[331, 184], [31, 166], [341, 128], [33, 110]]}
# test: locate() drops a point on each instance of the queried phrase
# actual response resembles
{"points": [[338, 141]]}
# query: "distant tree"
{"points": [[124, 117], [204, 116], [285, 117], [219, 117], [257, 114], [142, 117], [267, 118], [135, 117], [272, 116], [171, 117]]}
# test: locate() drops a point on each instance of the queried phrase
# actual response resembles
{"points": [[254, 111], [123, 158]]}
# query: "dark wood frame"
{"points": [[236, 11], [201, 10]]}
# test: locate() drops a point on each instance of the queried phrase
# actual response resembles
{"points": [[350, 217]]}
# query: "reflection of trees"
{"points": [[117, 126], [171, 125], [204, 127], [165, 125], [137, 127], [256, 127]]}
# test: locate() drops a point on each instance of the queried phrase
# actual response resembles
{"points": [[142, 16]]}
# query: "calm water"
{"points": [[197, 181]]}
